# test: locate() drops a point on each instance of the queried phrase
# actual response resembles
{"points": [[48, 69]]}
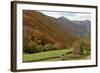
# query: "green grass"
{"points": [[57, 55], [54, 59], [44, 55]]}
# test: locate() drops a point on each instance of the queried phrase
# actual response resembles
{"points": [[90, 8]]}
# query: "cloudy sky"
{"points": [[70, 15]]}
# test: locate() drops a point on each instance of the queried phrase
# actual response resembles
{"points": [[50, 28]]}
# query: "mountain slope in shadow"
{"points": [[85, 23], [77, 28]]}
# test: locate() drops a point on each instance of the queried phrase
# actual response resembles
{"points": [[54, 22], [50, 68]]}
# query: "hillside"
{"points": [[77, 28], [85, 23], [41, 27]]}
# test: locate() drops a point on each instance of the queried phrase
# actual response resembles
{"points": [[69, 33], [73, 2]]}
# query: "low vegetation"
{"points": [[36, 46], [57, 55], [38, 51]]}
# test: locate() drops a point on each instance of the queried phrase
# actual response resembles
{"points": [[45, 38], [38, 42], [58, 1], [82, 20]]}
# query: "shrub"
{"points": [[77, 49], [48, 47], [34, 46], [39, 48], [85, 45], [35, 39], [58, 46], [39, 42], [31, 48], [86, 52]]}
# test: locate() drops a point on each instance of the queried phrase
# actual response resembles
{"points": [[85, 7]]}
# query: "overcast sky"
{"points": [[70, 15]]}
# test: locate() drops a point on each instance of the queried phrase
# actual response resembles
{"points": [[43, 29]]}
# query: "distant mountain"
{"points": [[77, 28], [86, 24], [48, 30]]}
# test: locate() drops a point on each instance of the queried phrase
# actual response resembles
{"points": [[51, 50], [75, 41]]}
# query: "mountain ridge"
{"points": [[72, 26]]}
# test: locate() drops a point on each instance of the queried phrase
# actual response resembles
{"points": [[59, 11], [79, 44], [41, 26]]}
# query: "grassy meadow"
{"points": [[57, 55]]}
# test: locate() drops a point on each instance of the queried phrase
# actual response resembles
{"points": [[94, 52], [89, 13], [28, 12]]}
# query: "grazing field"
{"points": [[57, 55], [44, 55]]}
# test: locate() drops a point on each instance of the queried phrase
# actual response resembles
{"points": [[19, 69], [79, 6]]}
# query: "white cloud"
{"points": [[69, 15], [53, 14]]}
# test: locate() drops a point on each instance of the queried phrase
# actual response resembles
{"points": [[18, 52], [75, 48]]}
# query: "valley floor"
{"points": [[57, 55]]}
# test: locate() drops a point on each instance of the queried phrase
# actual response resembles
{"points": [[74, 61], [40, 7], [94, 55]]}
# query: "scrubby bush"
{"points": [[39, 48], [39, 42], [85, 44], [31, 48], [34, 45], [48, 47], [58, 46], [76, 49], [86, 52], [35, 39], [85, 47]]}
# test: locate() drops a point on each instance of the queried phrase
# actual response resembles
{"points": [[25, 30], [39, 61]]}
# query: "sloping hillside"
{"points": [[74, 27], [39, 26], [85, 23]]}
